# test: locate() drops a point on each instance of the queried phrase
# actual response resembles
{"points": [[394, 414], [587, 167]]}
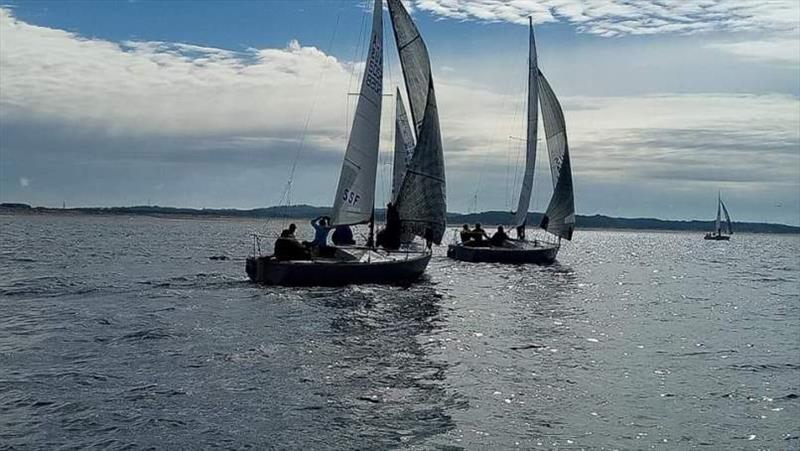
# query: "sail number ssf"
{"points": [[350, 197]]}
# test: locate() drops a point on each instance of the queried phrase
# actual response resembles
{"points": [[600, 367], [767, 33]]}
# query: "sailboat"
{"points": [[418, 184], [559, 219], [717, 234]]}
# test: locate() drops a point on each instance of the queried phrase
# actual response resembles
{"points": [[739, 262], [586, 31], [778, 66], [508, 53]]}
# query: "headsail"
{"points": [[717, 223], [403, 145], [727, 217], [421, 200], [559, 219], [530, 152], [355, 195]]}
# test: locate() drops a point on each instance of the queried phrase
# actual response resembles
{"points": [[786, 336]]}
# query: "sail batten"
{"points": [[355, 194], [559, 218], [521, 214], [421, 199]]}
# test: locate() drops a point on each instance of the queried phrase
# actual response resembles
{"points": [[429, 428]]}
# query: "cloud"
{"points": [[620, 17], [778, 50], [200, 126], [24, 182]]}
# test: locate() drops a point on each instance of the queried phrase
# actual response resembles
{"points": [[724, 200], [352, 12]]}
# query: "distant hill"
{"points": [[487, 217]]}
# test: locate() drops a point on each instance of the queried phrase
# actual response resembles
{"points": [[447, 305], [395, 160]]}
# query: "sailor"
{"points": [[466, 234], [499, 237], [478, 234], [321, 227], [521, 232], [389, 237], [289, 233], [428, 238], [342, 236], [288, 248]]}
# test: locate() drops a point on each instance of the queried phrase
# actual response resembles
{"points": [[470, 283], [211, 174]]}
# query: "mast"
{"points": [[521, 214], [354, 201]]}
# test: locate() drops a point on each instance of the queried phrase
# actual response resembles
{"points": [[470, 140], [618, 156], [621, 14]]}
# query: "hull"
{"points": [[268, 271], [717, 237], [542, 254]]}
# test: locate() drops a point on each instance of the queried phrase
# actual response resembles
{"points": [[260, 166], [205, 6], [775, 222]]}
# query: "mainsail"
{"points": [[559, 219], [355, 195], [403, 145], [530, 152], [421, 200], [717, 223]]}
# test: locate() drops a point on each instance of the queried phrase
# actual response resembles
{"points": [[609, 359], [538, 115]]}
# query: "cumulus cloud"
{"points": [[205, 126]]}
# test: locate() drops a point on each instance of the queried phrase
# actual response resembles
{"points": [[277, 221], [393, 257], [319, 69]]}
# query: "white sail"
{"points": [[717, 224], [521, 214], [727, 217], [421, 200], [559, 219], [403, 145], [355, 195]]}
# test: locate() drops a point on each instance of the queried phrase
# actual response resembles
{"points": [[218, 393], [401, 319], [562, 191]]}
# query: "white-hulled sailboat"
{"points": [[721, 233], [559, 219], [419, 184]]}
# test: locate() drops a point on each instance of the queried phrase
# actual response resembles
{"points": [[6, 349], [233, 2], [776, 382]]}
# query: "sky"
{"points": [[221, 104]]}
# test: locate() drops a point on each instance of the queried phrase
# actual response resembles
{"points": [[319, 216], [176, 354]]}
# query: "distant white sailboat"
{"points": [[418, 183], [559, 219], [722, 230]]}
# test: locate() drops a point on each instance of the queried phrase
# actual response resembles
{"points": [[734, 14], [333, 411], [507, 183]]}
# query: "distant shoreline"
{"points": [[594, 222]]}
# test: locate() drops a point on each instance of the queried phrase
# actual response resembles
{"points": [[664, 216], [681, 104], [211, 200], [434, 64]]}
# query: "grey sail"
{"points": [[727, 217], [355, 194], [403, 145], [521, 215], [559, 219], [421, 200]]}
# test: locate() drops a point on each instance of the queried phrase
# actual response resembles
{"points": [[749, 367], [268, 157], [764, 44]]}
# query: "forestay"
{"points": [[403, 145], [355, 195], [559, 219], [530, 152], [421, 200]]}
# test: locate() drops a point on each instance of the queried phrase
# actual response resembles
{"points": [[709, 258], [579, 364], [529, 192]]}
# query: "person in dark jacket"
{"points": [[466, 234], [499, 237], [343, 236]]}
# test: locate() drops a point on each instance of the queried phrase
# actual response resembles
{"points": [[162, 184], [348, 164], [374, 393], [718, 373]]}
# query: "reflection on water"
{"points": [[121, 332]]}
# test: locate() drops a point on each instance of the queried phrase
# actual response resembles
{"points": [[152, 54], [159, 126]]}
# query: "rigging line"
{"points": [[300, 147], [495, 140], [356, 57]]}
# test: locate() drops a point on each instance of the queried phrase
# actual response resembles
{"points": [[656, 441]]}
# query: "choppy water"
{"points": [[120, 332]]}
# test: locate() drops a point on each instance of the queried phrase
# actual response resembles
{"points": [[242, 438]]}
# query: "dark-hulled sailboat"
{"points": [[420, 186], [722, 230], [559, 219]]}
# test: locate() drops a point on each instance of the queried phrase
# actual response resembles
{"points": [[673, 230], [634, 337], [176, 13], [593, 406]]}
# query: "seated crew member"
{"points": [[343, 236], [321, 229], [466, 234], [499, 237], [521, 232], [288, 248], [478, 235]]}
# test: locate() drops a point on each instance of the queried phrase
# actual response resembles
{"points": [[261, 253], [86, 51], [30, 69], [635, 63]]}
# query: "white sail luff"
{"points": [[355, 194], [727, 217], [403, 145], [719, 215], [521, 214]]}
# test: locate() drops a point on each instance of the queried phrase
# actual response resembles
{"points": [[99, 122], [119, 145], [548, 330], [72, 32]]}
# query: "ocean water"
{"points": [[122, 333]]}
